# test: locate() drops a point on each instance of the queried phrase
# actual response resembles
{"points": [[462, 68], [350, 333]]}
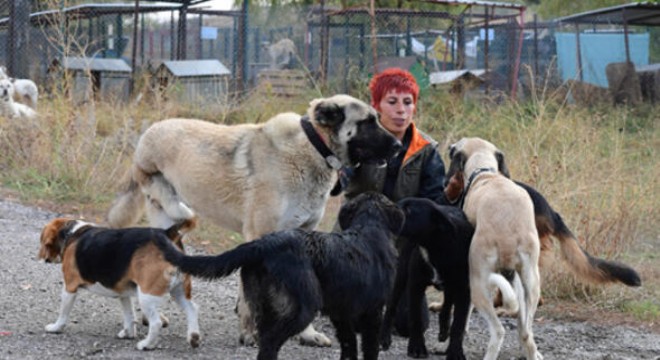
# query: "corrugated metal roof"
{"points": [[96, 64], [642, 13], [85, 11], [190, 68], [493, 4]]}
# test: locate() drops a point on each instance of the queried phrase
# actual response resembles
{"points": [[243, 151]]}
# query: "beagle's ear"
{"points": [[328, 113], [51, 239], [501, 164]]}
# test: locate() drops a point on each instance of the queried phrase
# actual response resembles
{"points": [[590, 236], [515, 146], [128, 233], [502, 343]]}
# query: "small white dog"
{"points": [[9, 108], [25, 90]]}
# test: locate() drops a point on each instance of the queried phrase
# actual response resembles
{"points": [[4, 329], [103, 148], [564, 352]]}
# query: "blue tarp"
{"points": [[598, 50]]}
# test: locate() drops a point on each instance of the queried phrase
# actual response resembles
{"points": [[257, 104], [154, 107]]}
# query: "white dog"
{"points": [[281, 53], [25, 90], [9, 108]]}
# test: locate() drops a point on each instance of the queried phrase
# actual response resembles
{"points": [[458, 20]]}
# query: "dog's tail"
{"points": [[128, 207], [218, 266], [176, 232], [587, 267], [181, 228], [509, 297]]}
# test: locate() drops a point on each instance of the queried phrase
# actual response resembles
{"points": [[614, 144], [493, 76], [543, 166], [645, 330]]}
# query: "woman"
{"points": [[418, 170]]}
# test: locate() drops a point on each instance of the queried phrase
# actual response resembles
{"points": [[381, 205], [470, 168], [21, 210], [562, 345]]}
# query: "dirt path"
{"points": [[29, 300]]}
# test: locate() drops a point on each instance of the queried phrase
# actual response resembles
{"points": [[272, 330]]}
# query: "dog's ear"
{"points": [[346, 214], [456, 165], [454, 187], [50, 239], [396, 218], [501, 164], [328, 114], [452, 150]]}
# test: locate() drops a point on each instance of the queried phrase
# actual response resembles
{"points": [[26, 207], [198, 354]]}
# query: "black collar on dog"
{"points": [[474, 174], [344, 173]]}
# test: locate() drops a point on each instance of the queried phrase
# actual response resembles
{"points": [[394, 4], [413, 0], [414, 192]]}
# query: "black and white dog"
{"points": [[288, 276]]}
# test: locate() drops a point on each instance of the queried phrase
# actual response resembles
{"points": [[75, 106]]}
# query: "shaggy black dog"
{"points": [[289, 276], [438, 236]]}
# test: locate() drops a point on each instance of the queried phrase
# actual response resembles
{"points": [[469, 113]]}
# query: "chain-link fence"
{"points": [[339, 48]]}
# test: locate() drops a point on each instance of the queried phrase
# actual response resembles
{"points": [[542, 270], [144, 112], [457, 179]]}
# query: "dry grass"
{"points": [[597, 166]]}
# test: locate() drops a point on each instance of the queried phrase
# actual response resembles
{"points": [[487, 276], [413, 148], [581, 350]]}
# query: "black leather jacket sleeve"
{"points": [[432, 179]]}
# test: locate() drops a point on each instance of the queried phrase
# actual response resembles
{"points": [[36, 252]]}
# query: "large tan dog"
{"points": [[505, 242], [252, 178], [549, 225]]}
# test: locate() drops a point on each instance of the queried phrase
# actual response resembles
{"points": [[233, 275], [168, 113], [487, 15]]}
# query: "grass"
{"points": [[597, 166]]}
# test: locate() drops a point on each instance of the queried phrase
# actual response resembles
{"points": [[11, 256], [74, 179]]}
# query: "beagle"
{"points": [[120, 263]]}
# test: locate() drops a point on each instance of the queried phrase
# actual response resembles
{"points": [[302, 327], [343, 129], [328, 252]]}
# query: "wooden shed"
{"points": [[97, 78], [197, 81]]}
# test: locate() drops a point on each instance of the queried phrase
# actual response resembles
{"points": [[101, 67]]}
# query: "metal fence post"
{"points": [[19, 38]]}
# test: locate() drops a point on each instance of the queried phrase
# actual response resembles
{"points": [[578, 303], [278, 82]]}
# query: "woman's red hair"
{"points": [[396, 79]]}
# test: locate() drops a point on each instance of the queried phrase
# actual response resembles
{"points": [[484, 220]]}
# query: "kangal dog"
{"points": [[252, 178], [505, 247]]}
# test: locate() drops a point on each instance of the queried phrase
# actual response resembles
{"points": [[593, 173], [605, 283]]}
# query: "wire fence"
{"points": [[338, 48]]}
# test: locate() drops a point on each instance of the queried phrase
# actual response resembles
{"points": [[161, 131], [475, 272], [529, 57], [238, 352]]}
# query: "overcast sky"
{"points": [[218, 4]]}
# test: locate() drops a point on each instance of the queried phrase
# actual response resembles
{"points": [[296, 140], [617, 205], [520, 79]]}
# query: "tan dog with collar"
{"points": [[505, 242], [252, 178]]}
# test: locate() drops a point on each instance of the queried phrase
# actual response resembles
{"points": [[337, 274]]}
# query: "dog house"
{"points": [[197, 81], [97, 78]]}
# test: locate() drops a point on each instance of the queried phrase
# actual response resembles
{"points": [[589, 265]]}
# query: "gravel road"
{"points": [[29, 300]]}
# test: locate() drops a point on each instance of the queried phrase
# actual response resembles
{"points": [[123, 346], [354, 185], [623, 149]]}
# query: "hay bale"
{"points": [[623, 83], [587, 94]]}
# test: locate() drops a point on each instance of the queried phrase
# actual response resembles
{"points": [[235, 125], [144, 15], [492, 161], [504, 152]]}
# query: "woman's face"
{"points": [[396, 112]]}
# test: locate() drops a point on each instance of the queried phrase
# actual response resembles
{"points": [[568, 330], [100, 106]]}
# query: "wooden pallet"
{"points": [[287, 83]]}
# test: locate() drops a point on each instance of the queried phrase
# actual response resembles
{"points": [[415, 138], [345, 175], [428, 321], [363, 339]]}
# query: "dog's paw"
{"points": [[246, 339], [146, 345], [417, 350], [194, 339], [127, 333], [455, 352], [54, 328], [314, 338], [443, 335], [435, 306], [385, 341], [163, 319]]}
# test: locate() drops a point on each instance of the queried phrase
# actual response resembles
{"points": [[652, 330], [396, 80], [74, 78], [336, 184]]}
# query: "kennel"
{"points": [[86, 78], [197, 81]]}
